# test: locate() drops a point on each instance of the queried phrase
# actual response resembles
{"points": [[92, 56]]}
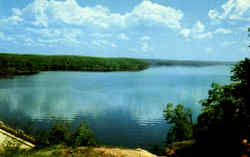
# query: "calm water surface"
{"points": [[123, 108]]}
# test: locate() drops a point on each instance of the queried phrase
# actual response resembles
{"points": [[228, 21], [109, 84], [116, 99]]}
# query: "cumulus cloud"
{"points": [[197, 32], [148, 11], [51, 21], [44, 13], [14, 18], [232, 10], [213, 14], [198, 27]]}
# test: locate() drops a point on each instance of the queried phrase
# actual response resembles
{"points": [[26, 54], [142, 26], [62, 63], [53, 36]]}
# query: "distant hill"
{"points": [[166, 62]]}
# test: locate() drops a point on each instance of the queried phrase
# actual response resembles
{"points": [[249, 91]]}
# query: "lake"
{"points": [[123, 108]]}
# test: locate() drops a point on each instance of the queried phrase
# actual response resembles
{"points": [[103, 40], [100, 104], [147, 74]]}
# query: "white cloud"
{"points": [[185, 32], [113, 45], [52, 41], [66, 22], [14, 18], [103, 44], [145, 38], [16, 11], [28, 42], [207, 35], [156, 13], [145, 47], [213, 14], [223, 31], [232, 10], [44, 13], [46, 32], [57, 35], [123, 36], [197, 32], [198, 27], [71, 36], [11, 20]]}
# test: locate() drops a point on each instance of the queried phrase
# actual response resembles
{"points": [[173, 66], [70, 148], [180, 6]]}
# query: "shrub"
{"points": [[182, 126], [59, 133], [84, 136]]}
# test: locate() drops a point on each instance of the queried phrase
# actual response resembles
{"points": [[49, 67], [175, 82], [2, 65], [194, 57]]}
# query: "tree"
{"points": [[181, 122], [229, 104], [60, 132], [84, 136], [225, 117]]}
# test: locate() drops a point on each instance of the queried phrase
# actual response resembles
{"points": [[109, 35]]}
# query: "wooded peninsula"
{"points": [[24, 64]]}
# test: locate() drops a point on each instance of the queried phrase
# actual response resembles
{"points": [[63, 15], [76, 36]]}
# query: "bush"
{"points": [[181, 122], [59, 133], [84, 136]]}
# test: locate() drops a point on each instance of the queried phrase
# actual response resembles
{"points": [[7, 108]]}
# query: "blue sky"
{"points": [[166, 29]]}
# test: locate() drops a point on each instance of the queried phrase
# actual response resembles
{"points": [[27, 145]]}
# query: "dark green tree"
{"points": [[181, 122], [59, 133], [84, 136], [225, 117]]}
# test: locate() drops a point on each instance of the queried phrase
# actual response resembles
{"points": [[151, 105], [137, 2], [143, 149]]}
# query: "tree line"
{"points": [[18, 64]]}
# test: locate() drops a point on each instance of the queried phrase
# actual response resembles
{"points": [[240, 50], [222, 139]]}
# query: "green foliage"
{"points": [[241, 72], [220, 106], [60, 132], [84, 136], [225, 117], [181, 120], [16, 64], [227, 105]]}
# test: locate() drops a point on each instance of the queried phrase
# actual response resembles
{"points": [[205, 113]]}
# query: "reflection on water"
{"points": [[121, 107]]}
